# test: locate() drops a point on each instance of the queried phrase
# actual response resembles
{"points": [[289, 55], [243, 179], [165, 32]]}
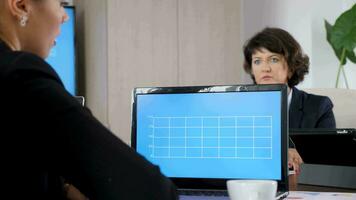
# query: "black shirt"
{"points": [[310, 111], [46, 133]]}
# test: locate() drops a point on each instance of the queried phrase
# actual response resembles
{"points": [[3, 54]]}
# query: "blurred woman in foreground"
{"points": [[46, 134]]}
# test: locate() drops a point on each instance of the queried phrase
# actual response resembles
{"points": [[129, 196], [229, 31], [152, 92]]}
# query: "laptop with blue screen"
{"points": [[202, 136]]}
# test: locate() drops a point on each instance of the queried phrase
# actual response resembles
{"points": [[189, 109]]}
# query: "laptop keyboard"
{"points": [[203, 193], [215, 195]]}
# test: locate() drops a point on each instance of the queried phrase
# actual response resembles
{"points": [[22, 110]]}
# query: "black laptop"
{"points": [[326, 146], [202, 136]]}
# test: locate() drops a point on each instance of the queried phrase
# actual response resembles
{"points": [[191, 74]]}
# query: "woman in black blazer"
{"points": [[45, 133], [273, 56]]}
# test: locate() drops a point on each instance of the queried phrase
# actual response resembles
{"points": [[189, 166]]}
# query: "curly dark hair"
{"points": [[279, 41]]}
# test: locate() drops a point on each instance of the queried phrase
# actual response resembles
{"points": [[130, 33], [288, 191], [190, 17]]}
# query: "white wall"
{"points": [[325, 62], [132, 43], [170, 42], [92, 49], [304, 19]]}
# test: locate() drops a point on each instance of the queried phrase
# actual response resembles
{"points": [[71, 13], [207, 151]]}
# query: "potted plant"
{"points": [[342, 38]]}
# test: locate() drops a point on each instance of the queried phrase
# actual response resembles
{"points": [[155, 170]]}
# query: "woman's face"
{"points": [[44, 20], [269, 67]]}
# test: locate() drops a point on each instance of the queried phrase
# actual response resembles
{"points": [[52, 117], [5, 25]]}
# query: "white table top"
{"points": [[304, 195]]}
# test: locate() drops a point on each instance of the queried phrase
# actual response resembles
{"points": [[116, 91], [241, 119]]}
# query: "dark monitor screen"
{"points": [[63, 55], [326, 146]]}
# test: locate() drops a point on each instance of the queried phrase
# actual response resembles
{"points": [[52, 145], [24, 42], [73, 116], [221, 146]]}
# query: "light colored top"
{"points": [[290, 97]]}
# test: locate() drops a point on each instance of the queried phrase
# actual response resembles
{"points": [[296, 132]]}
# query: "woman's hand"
{"points": [[294, 160], [73, 193]]}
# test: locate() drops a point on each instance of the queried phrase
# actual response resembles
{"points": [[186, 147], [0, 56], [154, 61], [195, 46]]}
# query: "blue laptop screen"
{"points": [[212, 135]]}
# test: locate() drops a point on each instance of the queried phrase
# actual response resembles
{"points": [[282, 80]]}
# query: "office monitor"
{"points": [[326, 146], [201, 136], [63, 55]]}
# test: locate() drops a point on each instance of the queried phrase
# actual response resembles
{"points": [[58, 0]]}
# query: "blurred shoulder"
{"points": [[17, 63]]}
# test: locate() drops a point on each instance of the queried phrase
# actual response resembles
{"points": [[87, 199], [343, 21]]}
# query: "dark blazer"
{"points": [[310, 111], [46, 133]]}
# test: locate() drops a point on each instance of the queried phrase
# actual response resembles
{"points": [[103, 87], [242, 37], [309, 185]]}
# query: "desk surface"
{"points": [[306, 195], [293, 195]]}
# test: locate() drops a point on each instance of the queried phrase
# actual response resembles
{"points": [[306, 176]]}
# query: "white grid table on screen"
{"points": [[226, 137]]}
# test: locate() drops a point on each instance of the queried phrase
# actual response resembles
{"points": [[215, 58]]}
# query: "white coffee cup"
{"points": [[252, 189]]}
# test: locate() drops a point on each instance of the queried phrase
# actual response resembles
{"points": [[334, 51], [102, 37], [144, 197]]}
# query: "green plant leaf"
{"points": [[351, 56], [337, 52], [343, 34]]}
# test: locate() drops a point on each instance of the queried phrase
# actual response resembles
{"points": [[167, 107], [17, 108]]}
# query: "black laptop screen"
{"points": [[223, 135]]}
